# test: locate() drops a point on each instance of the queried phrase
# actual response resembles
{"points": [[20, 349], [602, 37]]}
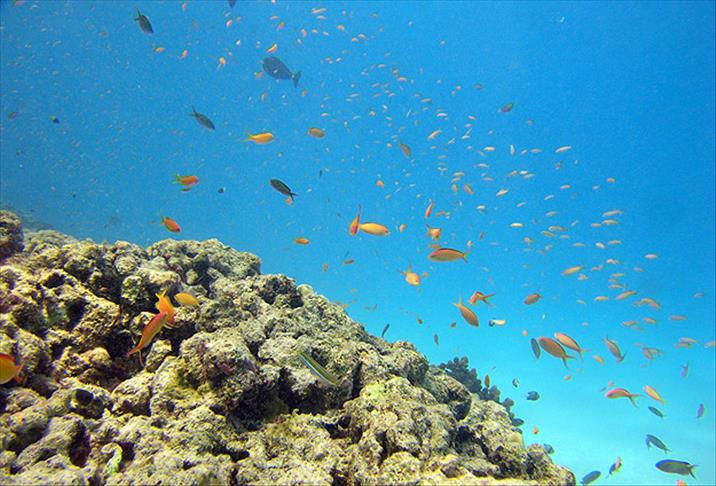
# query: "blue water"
{"points": [[630, 86]]}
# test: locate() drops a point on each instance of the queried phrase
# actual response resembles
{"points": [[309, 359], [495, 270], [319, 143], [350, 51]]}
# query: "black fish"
{"points": [[516, 382], [591, 477], [232, 3], [282, 188], [548, 448], [535, 348], [656, 412], [676, 467], [202, 119], [385, 329], [144, 23], [275, 68], [532, 396]]}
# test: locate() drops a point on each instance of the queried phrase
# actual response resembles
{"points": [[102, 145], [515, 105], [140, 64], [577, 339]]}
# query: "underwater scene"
{"points": [[361, 242]]}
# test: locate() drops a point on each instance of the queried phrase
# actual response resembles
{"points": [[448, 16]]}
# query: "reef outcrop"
{"points": [[224, 397]]}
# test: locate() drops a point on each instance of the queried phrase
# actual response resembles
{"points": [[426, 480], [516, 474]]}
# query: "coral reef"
{"points": [[223, 397]]}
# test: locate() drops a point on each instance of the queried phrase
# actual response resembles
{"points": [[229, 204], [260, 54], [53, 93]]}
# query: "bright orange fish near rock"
{"points": [[9, 370], [165, 305], [555, 349], [466, 313], [148, 333], [171, 225], [622, 393]]}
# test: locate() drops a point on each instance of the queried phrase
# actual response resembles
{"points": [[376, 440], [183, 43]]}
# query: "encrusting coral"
{"points": [[223, 397]]}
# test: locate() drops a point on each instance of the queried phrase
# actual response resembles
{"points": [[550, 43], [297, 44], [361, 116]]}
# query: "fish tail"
{"points": [[485, 299], [248, 136], [691, 470], [633, 402], [296, 76], [464, 256]]}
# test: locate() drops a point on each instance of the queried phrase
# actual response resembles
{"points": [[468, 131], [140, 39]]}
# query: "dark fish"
{"points": [[532, 396], [548, 448], [507, 107], [650, 439], [700, 411], [615, 466], [535, 348], [221, 190], [232, 3], [656, 412], [202, 119], [517, 422], [591, 477], [275, 68], [144, 23], [436, 338], [282, 188], [516, 382], [676, 467], [385, 329], [508, 402], [54, 119], [12, 115]]}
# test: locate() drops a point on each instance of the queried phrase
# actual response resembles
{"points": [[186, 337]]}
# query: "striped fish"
{"points": [[318, 370]]}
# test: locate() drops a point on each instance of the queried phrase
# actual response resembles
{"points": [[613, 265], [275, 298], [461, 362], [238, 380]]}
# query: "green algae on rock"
{"points": [[224, 398]]}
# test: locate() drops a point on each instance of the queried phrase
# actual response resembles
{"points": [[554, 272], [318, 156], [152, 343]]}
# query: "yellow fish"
{"points": [[260, 138], [374, 229], [186, 299]]}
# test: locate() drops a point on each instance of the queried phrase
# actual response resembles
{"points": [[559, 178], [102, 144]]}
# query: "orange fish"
{"points": [[405, 149], [447, 255], [8, 369], [316, 132], [301, 240], [532, 298], [355, 224], [349, 261], [535, 430], [272, 49], [165, 305], [429, 209], [614, 349], [374, 229], [188, 181], [402, 227], [653, 394], [411, 277], [487, 381], [570, 343], [555, 349], [467, 314], [598, 359], [148, 333], [479, 296], [379, 183], [170, 224], [434, 233], [260, 138], [622, 393]]}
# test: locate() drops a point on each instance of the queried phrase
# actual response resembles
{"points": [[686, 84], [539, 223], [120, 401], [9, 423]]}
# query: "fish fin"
{"points": [[464, 256], [296, 76], [485, 299], [248, 136], [633, 402]]}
